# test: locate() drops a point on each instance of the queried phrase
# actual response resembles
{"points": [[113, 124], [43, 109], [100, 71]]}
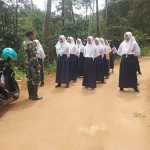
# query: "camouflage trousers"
{"points": [[33, 75]]}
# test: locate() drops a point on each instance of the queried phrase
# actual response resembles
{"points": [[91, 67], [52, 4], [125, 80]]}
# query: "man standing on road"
{"points": [[32, 66]]}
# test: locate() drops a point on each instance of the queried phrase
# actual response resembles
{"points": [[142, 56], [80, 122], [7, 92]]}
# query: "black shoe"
{"points": [[58, 85], [121, 90], [108, 73], [140, 72], [103, 82], [42, 84], [107, 77], [67, 85], [136, 90]]}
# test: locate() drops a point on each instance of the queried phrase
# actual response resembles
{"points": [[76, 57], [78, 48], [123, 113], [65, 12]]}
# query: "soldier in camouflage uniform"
{"points": [[32, 66]]}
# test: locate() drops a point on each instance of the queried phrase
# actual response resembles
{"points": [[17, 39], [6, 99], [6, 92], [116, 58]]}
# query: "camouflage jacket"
{"points": [[30, 54]]}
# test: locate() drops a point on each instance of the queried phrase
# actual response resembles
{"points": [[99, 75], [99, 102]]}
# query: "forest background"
{"points": [[110, 22]]}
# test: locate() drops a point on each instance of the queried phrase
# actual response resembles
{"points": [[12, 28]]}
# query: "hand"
{"points": [[39, 67]]}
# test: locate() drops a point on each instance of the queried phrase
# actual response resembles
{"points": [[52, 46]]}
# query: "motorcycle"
{"points": [[9, 89]]}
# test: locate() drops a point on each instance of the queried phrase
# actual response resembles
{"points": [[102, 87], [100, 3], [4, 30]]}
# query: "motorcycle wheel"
{"points": [[16, 96], [2, 98]]}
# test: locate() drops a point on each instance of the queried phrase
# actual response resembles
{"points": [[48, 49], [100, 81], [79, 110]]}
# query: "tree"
{"points": [[47, 32], [63, 13], [97, 18]]}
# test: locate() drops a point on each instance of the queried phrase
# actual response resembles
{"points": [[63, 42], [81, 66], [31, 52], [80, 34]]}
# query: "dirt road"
{"points": [[80, 119]]}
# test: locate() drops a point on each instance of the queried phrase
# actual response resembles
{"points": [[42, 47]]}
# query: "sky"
{"points": [[42, 3]]}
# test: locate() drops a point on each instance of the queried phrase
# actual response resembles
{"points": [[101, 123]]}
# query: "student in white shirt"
{"points": [[89, 75], [41, 56], [62, 73], [128, 50]]}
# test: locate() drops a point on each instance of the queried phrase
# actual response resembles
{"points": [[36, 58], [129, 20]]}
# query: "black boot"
{"points": [[42, 84], [29, 84], [35, 90]]}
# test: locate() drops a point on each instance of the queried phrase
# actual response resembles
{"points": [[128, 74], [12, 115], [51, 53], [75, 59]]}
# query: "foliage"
{"points": [[145, 51]]}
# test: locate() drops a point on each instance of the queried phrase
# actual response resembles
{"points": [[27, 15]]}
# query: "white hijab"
{"points": [[62, 46], [40, 51], [128, 46], [104, 46], [99, 46], [72, 44], [102, 41], [90, 49], [80, 46]]}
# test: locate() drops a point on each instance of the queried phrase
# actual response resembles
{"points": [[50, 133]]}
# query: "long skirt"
{"points": [[111, 60], [62, 74], [73, 67], [81, 65], [128, 76], [89, 75], [106, 66], [99, 69], [137, 64], [41, 70]]}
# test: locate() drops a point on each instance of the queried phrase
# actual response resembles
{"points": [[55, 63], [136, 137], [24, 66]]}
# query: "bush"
{"points": [[19, 74], [145, 51], [49, 68]]}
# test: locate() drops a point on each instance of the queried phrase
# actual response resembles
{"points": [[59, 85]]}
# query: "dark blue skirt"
{"points": [[111, 60], [62, 74], [73, 67], [137, 64], [127, 75], [81, 65], [89, 75], [106, 66], [99, 69]]}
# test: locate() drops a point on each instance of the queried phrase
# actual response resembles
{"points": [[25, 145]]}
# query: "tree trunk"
{"points": [[32, 2], [97, 19], [3, 30], [16, 18], [106, 20], [47, 32], [86, 11], [73, 18], [63, 13]]}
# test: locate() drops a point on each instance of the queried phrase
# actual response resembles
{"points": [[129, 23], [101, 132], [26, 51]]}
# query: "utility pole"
{"points": [[106, 19]]}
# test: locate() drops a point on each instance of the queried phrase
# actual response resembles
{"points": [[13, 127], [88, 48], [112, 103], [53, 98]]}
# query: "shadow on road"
{"points": [[16, 106]]}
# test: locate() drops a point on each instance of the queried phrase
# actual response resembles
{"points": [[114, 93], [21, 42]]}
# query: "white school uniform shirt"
{"points": [[62, 48], [129, 47], [40, 52], [73, 48], [99, 47], [106, 51], [91, 50], [114, 50]]}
